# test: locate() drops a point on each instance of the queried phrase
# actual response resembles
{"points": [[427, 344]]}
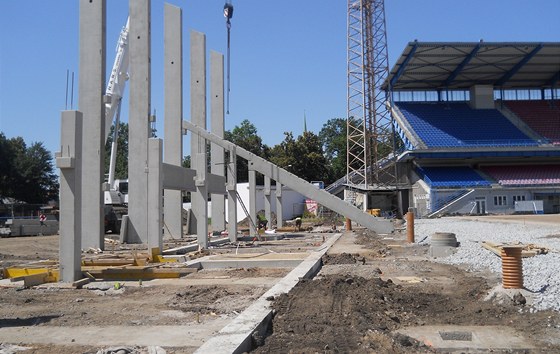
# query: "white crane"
{"points": [[114, 94]]}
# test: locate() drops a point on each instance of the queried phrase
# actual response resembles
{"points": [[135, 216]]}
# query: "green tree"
{"points": [[246, 136], [333, 139], [302, 156], [186, 161], [30, 175], [7, 166], [121, 165]]}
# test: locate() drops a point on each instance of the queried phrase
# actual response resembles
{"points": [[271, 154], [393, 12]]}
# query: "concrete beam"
{"points": [[173, 105], [217, 127], [232, 195], [178, 178], [181, 178], [216, 184], [199, 198], [91, 90], [138, 121], [279, 210], [252, 200], [301, 186], [267, 201], [69, 160]]}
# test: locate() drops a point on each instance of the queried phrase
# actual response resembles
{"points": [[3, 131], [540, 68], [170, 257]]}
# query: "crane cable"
{"points": [[228, 14]]}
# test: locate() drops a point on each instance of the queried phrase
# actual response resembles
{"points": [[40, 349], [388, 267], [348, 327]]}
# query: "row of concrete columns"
{"points": [[81, 158], [150, 172]]}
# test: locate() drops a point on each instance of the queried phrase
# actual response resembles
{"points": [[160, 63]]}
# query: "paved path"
{"points": [[169, 336]]}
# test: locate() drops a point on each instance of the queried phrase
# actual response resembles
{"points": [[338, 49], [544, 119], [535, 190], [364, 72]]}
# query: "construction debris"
{"points": [[529, 250]]}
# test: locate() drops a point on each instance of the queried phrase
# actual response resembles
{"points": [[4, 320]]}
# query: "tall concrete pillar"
{"points": [[199, 198], [267, 208], [155, 186], [253, 199], [173, 105], [231, 188], [138, 121], [217, 127], [279, 211], [69, 160], [91, 90]]}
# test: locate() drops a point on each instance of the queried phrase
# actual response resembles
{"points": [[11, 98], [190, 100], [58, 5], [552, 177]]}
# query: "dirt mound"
{"points": [[340, 313], [343, 258], [370, 240], [345, 314]]}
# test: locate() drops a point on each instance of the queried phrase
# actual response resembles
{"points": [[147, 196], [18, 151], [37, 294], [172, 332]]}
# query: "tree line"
{"points": [[313, 157], [27, 173]]}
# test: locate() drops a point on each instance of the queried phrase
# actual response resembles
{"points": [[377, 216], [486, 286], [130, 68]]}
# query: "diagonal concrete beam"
{"points": [[301, 186]]}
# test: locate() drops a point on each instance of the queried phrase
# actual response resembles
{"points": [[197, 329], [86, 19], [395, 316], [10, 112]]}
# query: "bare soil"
{"points": [[355, 304]]}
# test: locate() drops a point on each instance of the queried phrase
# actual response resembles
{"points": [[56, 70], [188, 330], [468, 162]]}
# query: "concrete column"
{"points": [[155, 187], [231, 188], [267, 209], [217, 127], [199, 198], [482, 97], [69, 160], [252, 199], [173, 105], [279, 210], [91, 90], [138, 121]]}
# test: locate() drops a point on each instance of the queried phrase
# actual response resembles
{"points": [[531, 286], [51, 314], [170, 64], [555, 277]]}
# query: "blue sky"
{"points": [[287, 56]]}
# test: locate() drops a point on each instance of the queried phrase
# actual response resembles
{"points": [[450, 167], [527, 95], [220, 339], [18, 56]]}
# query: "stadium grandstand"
{"points": [[480, 127]]}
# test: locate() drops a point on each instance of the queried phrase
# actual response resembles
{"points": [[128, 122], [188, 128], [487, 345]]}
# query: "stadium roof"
{"points": [[460, 65]]}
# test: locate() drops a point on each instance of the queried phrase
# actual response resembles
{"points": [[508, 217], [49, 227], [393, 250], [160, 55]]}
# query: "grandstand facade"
{"points": [[480, 126]]}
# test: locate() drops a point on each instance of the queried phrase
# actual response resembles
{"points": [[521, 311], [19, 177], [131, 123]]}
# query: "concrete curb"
{"points": [[236, 337]]}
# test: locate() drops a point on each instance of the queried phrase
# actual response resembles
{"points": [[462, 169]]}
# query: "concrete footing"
{"points": [[451, 338]]}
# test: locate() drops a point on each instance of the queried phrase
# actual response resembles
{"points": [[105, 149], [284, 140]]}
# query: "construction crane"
{"points": [[114, 95]]}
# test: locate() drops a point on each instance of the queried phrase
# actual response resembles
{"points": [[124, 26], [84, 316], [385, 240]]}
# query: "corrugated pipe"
{"points": [[512, 267]]}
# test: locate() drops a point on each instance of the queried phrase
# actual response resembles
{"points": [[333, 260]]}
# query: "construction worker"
{"points": [[261, 223], [298, 224]]}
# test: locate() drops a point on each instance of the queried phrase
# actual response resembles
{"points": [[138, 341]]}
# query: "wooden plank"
{"points": [[88, 275], [35, 279], [18, 274], [141, 274], [492, 247], [79, 283], [108, 262], [525, 253], [496, 248]]}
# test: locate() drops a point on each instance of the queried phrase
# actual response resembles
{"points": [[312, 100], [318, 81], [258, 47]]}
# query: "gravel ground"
{"points": [[541, 273]]}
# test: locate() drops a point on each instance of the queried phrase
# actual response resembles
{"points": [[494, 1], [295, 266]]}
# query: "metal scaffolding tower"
{"points": [[370, 140]]}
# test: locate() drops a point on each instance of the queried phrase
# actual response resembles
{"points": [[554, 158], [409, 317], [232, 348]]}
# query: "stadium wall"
{"points": [[480, 201]]}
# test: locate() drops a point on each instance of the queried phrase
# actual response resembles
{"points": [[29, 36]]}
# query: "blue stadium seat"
{"points": [[453, 177], [458, 125]]}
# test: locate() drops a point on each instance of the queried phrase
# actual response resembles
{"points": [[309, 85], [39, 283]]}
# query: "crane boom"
{"points": [[114, 94]]}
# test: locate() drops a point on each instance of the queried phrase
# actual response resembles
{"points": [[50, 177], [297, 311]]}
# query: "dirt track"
{"points": [[367, 291]]}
